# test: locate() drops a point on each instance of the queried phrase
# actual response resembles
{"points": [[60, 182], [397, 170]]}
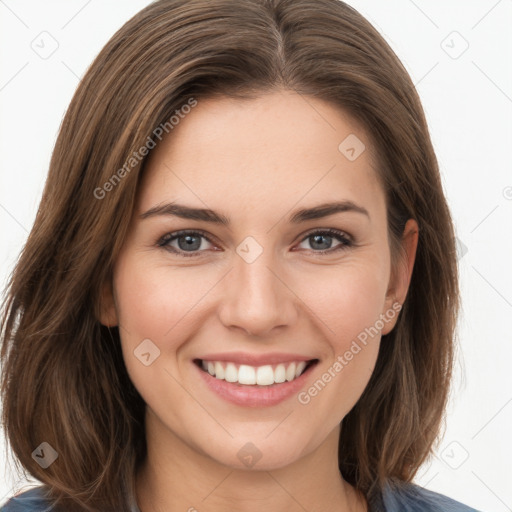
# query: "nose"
{"points": [[257, 298]]}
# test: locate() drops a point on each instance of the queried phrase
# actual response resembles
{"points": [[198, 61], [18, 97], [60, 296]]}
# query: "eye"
{"points": [[322, 240], [189, 243], [186, 241]]}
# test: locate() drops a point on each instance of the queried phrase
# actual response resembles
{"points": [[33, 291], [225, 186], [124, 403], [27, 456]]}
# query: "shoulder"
{"points": [[33, 500], [399, 496]]}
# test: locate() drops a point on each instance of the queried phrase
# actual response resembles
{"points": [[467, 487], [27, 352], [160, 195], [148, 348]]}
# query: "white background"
{"points": [[468, 101]]}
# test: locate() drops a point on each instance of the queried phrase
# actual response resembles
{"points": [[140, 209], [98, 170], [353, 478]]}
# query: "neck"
{"points": [[174, 476]]}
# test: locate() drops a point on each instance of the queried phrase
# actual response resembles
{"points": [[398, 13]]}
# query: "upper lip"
{"points": [[255, 359]]}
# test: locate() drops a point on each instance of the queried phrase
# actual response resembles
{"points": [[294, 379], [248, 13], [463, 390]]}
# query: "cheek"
{"points": [[162, 303], [348, 305], [347, 300], [155, 303], [153, 300]]}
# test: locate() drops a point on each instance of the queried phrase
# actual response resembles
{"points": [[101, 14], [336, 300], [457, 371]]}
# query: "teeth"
{"points": [[290, 372], [219, 371], [280, 373], [300, 368], [246, 374], [231, 373], [265, 376], [250, 375]]}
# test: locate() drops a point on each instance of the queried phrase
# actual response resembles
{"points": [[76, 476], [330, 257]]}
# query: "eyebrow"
{"points": [[207, 215]]}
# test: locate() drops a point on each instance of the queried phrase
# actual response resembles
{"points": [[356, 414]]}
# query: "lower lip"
{"points": [[254, 396]]}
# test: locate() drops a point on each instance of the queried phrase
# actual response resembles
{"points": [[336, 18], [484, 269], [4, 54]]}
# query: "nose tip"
{"points": [[256, 299]]}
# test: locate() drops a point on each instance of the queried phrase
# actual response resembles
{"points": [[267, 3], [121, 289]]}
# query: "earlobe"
{"points": [[402, 272], [108, 312]]}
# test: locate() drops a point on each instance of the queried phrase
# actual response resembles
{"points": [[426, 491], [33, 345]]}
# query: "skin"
{"points": [[256, 162]]}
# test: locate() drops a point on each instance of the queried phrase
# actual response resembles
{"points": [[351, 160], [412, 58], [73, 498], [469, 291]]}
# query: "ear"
{"points": [[401, 275], [108, 311]]}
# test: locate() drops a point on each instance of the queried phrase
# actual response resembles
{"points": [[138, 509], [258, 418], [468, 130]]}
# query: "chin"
{"points": [[259, 454]]}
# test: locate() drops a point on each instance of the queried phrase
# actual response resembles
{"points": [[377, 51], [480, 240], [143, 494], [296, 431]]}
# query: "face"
{"points": [[263, 278]]}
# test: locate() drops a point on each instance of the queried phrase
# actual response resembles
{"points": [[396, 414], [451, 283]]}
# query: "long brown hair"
{"points": [[64, 381]]}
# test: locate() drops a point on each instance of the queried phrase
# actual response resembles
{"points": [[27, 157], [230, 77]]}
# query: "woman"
{"points": [[240, 290]]}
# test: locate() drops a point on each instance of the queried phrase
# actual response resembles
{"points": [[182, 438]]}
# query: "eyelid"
{"points": [[332, 231]]}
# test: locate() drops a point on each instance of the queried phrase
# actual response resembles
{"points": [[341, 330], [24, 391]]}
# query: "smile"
{"points": [[265, 375], [254, 386]]}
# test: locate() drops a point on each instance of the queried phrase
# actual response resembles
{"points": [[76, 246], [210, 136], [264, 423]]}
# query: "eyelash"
{"points": [[340, 235]]}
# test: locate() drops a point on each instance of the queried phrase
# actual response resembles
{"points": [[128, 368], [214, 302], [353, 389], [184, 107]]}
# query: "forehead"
{"points": [[281, 148]]}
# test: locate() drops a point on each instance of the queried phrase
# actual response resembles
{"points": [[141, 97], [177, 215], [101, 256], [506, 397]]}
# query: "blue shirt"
{"points": [[406, 497]]}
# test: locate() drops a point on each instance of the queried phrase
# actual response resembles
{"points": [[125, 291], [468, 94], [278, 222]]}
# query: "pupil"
{"points": [[316, 238], [189, 244]]}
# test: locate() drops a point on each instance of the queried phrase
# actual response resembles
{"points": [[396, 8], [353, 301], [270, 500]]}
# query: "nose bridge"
{"points": [[256, 298]]}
